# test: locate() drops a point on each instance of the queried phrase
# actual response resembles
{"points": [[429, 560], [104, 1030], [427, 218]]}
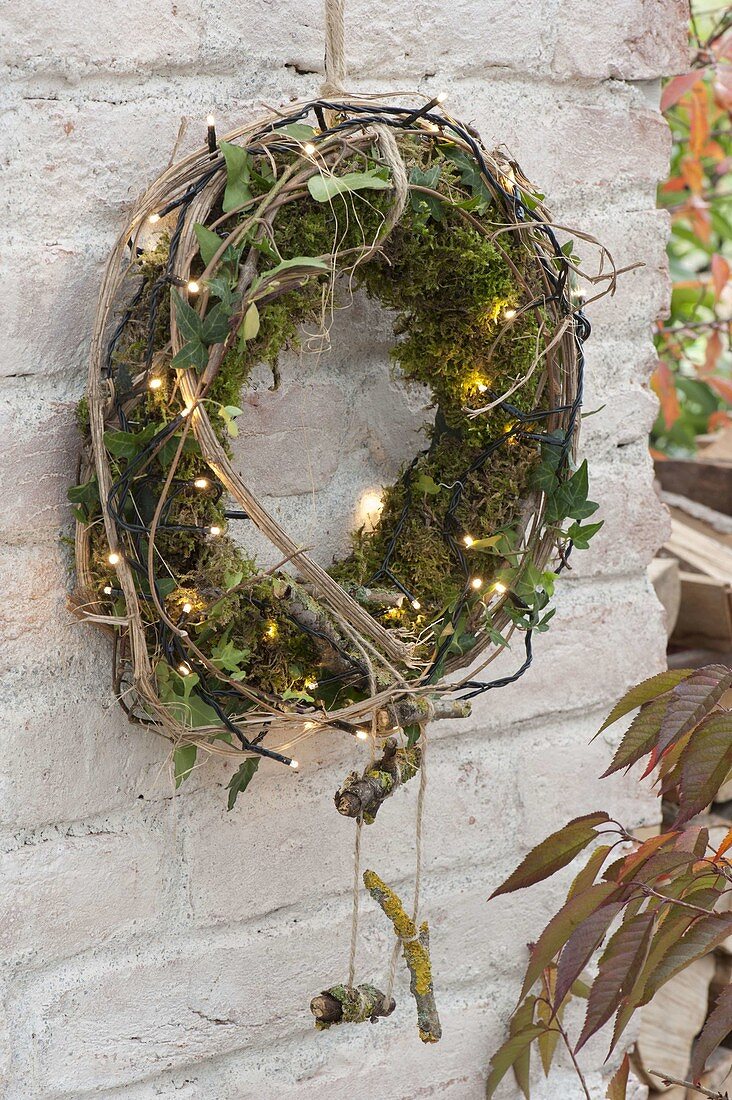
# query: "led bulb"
{"points": [[309, 725], [468, 540], [441, 97], [192, 286], [509, 314], [184, 669], [362, 735], [309, 149], [214, 530], [155, 383], [108, 590], [187, 410], [477, 582], [202, 483], [481, 387], [114, 558], [416, 605], [500, 588], [187, 608], [210, 120], [294, 764], [311, 685], [153, 218]]}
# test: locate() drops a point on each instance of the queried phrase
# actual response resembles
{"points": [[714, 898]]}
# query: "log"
{"points": [[416, 710], [663, 574], [364, 794], [344, 1004], [708, 483], [416, 952]]}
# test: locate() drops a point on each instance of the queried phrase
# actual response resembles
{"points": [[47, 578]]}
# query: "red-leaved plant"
{"points": [[651, 908]]}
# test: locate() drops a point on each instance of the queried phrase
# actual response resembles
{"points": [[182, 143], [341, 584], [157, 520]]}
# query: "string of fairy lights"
{"points": [[524, 426]]}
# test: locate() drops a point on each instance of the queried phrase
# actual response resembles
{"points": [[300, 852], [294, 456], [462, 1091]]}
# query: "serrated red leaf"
{"points": [[617, 1089], [552, 854], [678, 87], [717, 1028], [691, 699], [561, 927], [640, 737], [705, 763], [703, 936], [581, 946], [645, 692], [720, 274], [624, 955]]}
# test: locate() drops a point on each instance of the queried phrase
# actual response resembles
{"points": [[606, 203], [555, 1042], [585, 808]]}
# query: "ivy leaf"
{"points": [[194, 354], [208, 242], [429, 205], [241, 779], [325, 188], [705, 763], [469, 174], [228, 413], [506, 1055], [552, 854], [216, 325], [581, 535], [426, 484], [250, 325], [569, 500], [617, 1089], [307, 262], [644, 693], [128, 444], [184, 759], [87, 497], [189, 323], [490, 542], [624, 955], [298, 130], [238, 167]]}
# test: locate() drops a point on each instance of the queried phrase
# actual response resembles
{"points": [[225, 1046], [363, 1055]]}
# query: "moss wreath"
{"points": [[225, 256]]}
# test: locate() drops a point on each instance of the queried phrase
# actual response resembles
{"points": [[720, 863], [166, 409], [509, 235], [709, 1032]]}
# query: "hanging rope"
{"points": [[335, 48]]}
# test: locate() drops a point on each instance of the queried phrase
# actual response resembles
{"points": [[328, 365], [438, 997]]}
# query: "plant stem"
{"points": [[668, 1080], [575, 1063]]}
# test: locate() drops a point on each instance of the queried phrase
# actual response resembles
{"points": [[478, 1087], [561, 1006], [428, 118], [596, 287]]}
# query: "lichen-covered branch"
{"points": [[421, 709], [416, 951], [364, 794], [344, 1004]]}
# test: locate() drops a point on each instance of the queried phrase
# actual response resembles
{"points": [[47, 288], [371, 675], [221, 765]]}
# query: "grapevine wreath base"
{"points": [[224, 261]]}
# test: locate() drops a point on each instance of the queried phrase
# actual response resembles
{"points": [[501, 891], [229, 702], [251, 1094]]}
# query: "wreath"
{"points": [[228, 258], [225, 258]]}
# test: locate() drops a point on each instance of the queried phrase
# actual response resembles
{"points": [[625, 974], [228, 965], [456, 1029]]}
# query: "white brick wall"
{"points": [[156, 946]]}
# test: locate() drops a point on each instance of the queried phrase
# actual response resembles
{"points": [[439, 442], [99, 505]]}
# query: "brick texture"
{"points": [[154, 945]]}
